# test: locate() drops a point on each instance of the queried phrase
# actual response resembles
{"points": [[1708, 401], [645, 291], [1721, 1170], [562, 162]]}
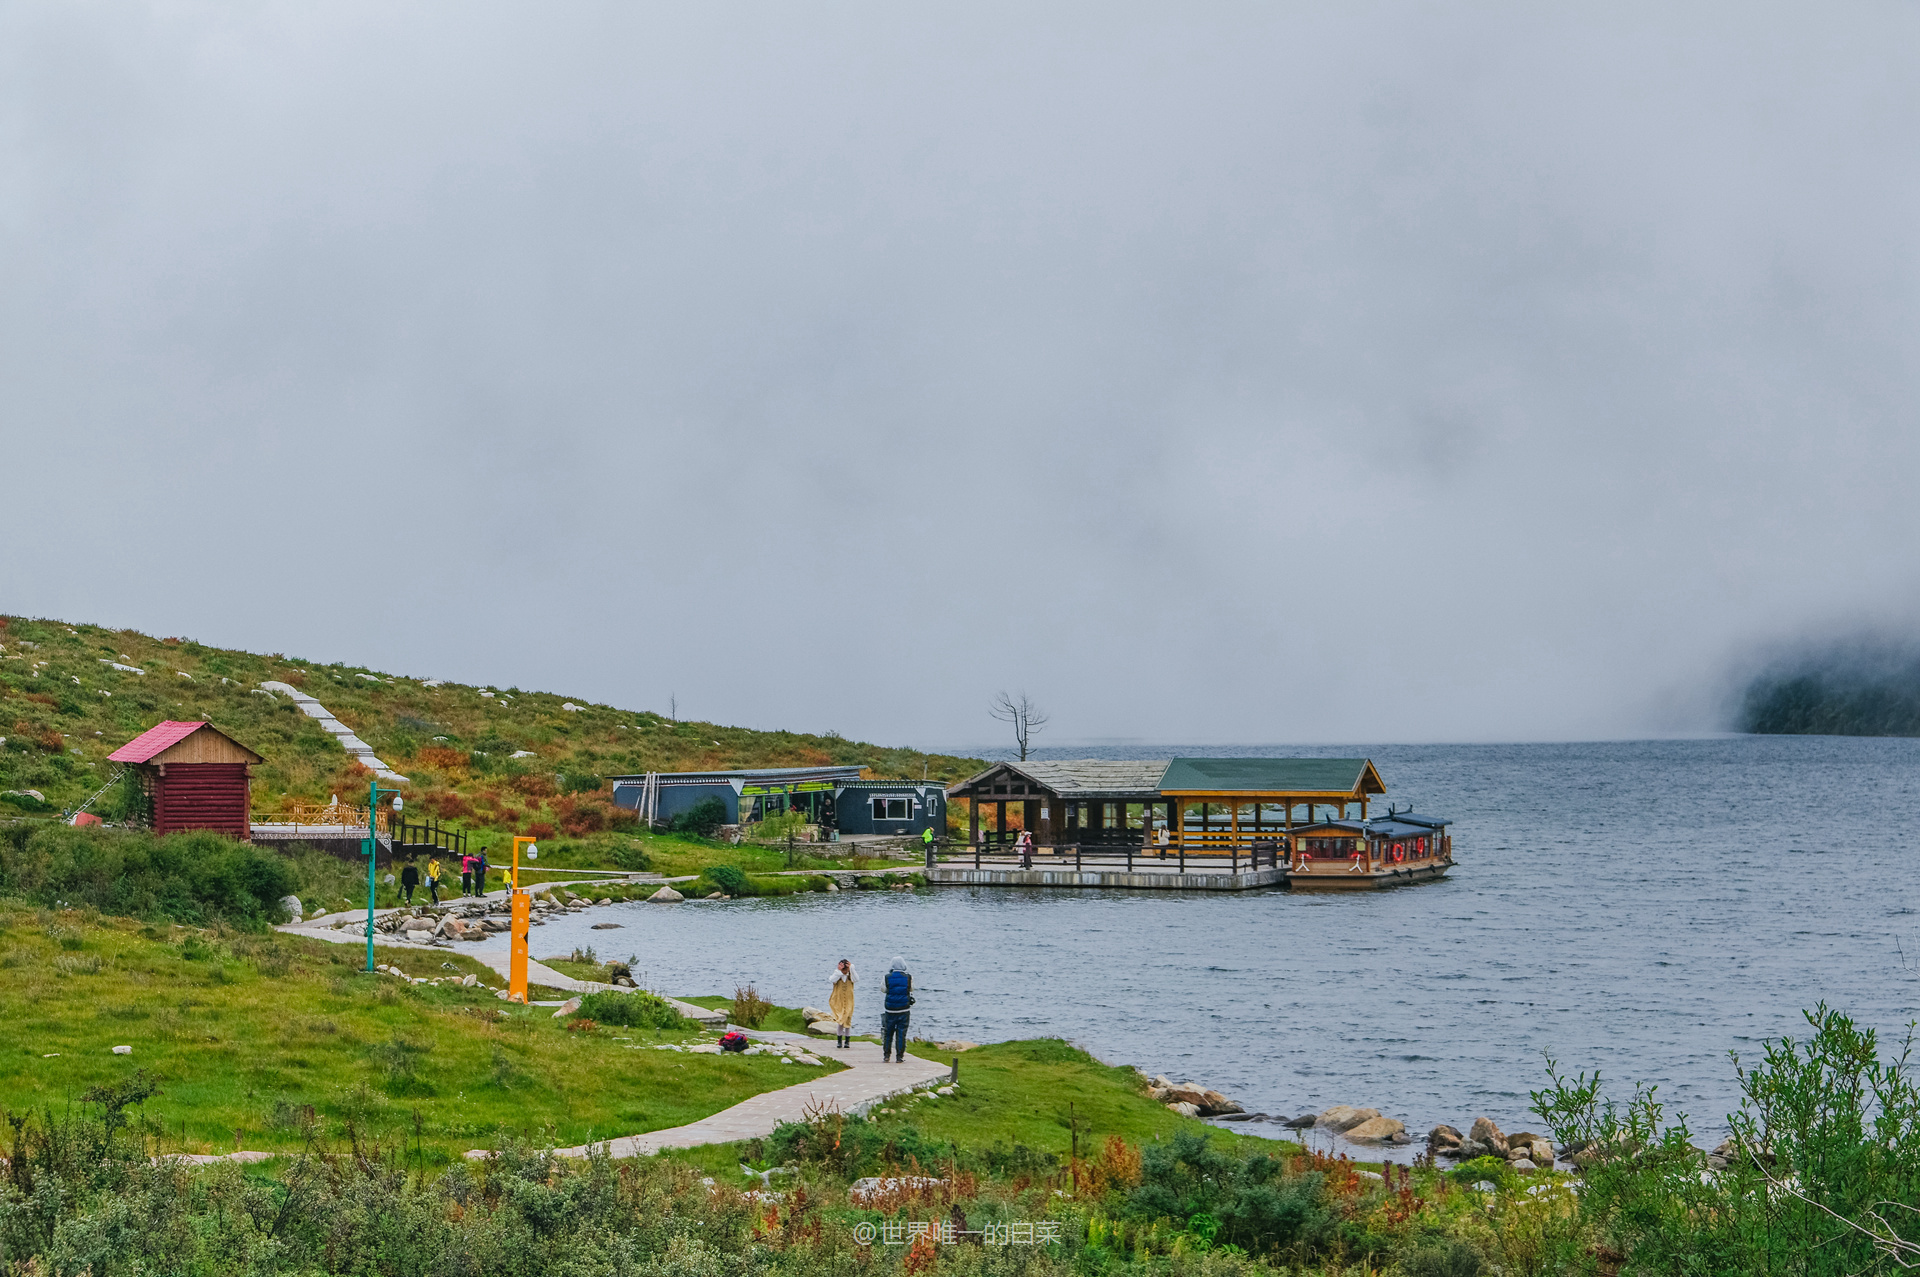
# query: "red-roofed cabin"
{"points": [[195, 777]]}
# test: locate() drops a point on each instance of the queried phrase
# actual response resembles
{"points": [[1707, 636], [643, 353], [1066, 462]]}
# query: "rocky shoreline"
{"points": [[465, 918]]}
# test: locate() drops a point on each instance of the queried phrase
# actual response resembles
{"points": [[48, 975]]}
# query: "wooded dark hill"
{"points": [[1857, 687]]}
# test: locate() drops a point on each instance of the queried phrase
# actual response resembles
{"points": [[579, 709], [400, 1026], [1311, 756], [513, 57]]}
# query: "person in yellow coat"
{"points": [[840, 1003]]}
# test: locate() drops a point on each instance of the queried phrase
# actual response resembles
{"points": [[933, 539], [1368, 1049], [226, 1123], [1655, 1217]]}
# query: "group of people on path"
{"points": [[473, 877], [894, 1012]]}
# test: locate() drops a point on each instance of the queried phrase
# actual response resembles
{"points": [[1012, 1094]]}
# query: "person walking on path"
{"points": [[893, 1018], [1024, 846], [840, 1003], [466, 875], [433, 879], [409, 879], [480, 877]]}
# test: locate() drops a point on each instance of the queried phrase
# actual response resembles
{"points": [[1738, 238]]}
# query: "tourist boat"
{"points": [[1357, 855]]}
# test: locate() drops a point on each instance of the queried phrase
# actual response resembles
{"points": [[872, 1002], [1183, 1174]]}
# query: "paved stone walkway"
{"points": [[359, 749], [864, 1083]]}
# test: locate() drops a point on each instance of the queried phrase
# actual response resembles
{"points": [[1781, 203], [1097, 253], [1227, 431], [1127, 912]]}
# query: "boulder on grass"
{"points": [[1184, 1109], [829, 1027], [665, 896], [567, 1008]]}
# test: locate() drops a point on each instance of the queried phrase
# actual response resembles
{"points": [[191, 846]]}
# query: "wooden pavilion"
{"points": [[1201, 805], [1223, 805], [1227, 824]]}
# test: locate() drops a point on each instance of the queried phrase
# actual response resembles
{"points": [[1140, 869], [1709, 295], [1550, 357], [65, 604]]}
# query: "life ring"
{"points": [[1399, 852]]}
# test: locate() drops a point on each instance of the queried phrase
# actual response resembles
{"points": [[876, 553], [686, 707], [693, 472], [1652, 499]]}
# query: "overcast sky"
{"points": [[1263, 372]]}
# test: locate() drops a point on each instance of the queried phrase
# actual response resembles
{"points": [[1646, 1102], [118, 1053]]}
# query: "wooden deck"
{"points": [[1111, 867], [1235, 871]]}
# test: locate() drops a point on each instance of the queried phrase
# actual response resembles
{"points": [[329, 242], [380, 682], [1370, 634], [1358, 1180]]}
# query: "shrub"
{"points": [[636, 1010], [194, 877], [632, 856], [1253, 1204], [1834, 1135], [749, 1008], [730, 879], [1448, 1258]]}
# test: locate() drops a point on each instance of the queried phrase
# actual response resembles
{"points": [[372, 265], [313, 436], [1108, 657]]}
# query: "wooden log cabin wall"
{"points": [[194, 776]]}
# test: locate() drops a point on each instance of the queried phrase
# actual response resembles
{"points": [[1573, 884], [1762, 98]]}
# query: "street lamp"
{"points": [[373, 845]]}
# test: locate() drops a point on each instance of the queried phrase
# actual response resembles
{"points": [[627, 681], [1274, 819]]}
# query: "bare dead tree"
{"points": [[1025, 716]]}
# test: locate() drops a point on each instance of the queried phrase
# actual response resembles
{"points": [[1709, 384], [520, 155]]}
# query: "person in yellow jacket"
{"points": [[840, 1003], [433, 878]]}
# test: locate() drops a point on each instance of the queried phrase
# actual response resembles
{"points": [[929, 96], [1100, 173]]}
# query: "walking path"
{"points": [[865, 1082]]}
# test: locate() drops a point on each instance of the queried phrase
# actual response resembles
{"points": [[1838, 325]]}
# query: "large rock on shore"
{"points": [[1444, 1141], [1205, 1101], [1377, 1130], [665, 896], [1185, 1109], [1485, 1138], [1344, 1117]]}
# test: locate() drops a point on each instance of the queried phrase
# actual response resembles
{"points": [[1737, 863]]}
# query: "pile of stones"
{"points": [[471, 919], [1523, 1151], [1362, 1126], [1190, 1099]]}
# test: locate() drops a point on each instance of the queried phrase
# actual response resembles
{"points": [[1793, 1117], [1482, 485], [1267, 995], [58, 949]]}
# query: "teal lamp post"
{"points": [[373, 845]]}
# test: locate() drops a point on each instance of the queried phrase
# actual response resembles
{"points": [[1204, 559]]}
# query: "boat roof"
{"points": [[1403, 825]]}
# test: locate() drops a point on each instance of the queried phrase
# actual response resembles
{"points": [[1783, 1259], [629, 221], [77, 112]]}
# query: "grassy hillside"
{"points": [[64, 706]]}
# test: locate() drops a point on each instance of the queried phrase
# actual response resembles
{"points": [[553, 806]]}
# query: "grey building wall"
{"points": [[675, 799], [927, 805]]}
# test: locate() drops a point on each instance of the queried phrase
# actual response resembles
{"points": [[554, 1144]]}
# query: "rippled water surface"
{"points": [[1640, 907]]}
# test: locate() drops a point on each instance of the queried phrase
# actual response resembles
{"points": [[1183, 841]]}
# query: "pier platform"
{"points": [[1139, 878]]}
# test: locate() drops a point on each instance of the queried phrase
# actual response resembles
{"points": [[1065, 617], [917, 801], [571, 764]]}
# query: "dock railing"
{"points": [[1248, 855], [323, 815]]}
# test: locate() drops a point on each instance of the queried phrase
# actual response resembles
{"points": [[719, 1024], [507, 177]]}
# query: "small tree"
{"points": [[1023, 714]]}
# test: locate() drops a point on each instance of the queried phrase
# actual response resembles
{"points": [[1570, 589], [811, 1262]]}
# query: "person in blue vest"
{"points": [[894, 1011]]}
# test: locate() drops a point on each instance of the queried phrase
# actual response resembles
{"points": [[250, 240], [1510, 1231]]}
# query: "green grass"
{"points": [[1019, 1092], [245, 1031], [780, 1019], [578, 970]]}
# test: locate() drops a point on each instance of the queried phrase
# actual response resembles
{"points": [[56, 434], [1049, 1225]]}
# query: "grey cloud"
{"points": [[1233, 372]]}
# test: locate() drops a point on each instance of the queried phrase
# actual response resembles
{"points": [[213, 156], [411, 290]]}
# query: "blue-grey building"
{"points": [[892, 807], [748, 795], [832, 797]]}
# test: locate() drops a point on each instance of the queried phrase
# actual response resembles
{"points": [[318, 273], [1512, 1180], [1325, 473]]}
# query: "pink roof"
{"points": [[155, 740]]}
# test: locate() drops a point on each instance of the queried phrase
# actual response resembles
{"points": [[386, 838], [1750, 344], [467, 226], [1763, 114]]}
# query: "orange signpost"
{"points": [[521, 922]]}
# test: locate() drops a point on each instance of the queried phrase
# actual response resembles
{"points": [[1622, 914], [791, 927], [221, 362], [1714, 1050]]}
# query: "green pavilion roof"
{"points": [[1272, 776]]}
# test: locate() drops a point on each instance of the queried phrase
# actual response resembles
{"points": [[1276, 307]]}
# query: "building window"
{"points": [[893, 809]]}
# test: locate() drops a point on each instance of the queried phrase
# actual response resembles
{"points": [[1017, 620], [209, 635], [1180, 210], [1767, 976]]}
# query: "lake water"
{"points": [[1637, 907]]}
